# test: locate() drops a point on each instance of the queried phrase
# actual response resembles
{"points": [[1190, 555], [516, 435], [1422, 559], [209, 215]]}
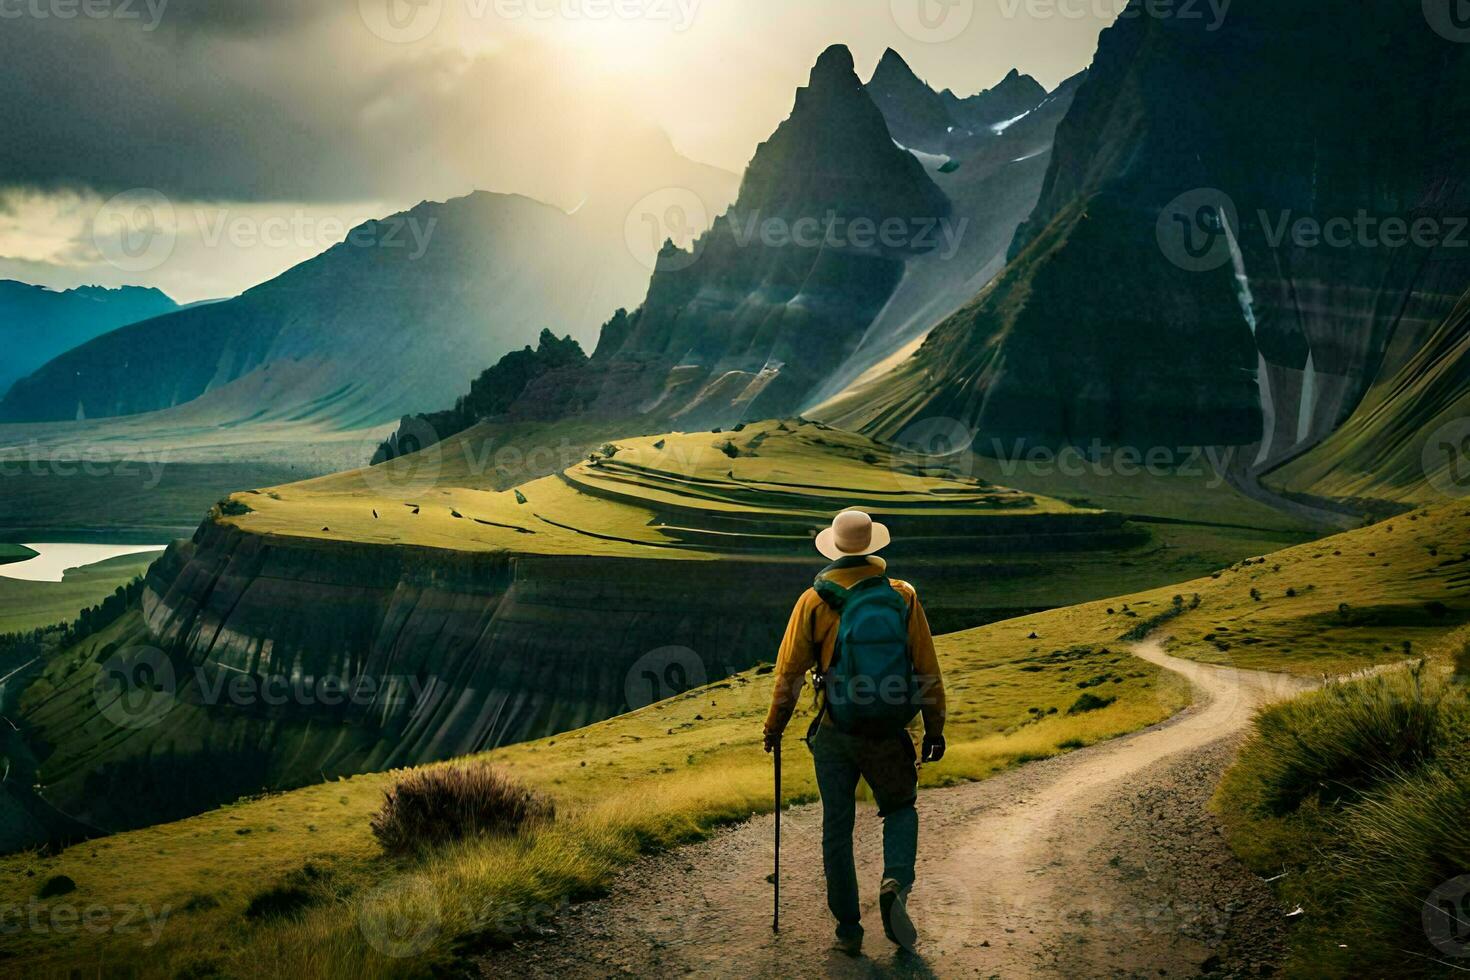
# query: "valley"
{"points": [[673, 770], [506, 503], [441, 605]]}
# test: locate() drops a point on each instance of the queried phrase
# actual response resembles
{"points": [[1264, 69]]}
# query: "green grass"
{"points": [[33, 605], [672, 771], [654, 778], [153, 498], [11, 553], [1357, 794], [681, 495], [1342, 604]]}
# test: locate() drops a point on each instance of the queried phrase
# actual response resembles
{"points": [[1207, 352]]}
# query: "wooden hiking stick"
{"points": [[776, 912]]}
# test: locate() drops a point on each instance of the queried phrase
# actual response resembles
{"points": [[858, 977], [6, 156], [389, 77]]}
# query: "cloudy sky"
{"points": [[260, 129]]}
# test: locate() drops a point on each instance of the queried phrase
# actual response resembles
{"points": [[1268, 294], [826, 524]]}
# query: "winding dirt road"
{"points": [[1101, 863]]}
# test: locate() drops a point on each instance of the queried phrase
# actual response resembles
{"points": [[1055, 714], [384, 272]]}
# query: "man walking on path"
{"points": [[837, 630]]}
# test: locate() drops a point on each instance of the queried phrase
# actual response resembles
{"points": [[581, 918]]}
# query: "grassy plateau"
{"points": [[672, 771]]}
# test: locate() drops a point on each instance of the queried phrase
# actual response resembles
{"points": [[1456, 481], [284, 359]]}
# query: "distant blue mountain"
{"points": [[37, 324]]}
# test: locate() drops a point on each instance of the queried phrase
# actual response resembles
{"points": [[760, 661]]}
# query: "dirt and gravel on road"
{"points": [[1104, 862]]}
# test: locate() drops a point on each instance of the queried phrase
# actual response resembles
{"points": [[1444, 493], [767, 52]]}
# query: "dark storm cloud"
{"points": [[275, 104]]}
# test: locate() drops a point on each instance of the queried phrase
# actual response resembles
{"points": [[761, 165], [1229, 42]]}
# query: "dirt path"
{"points": [[1101, 863]]}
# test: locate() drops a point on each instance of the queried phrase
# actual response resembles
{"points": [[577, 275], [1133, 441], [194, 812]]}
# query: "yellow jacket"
{"points": [[811, 636]]}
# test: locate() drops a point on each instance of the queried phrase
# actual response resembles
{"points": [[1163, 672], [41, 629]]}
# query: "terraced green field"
{"points": [[765, 488]]}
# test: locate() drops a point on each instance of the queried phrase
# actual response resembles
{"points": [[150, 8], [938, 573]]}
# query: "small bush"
{"points": [[1462, 664], [1089, 702], [1334, 743], [283, 901], [436, 806]]}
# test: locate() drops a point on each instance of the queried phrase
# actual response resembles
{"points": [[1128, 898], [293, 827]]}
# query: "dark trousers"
{"points": [[889, 766]]}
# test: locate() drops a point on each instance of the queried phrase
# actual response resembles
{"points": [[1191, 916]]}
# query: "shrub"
{"points": [[1089, 702], [1380, 770], [1334, 743], [430, 807], [283, 901], [1462, 664]]}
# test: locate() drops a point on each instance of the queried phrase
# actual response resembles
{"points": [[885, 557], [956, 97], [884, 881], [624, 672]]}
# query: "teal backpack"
{"points": [[870, 688]]}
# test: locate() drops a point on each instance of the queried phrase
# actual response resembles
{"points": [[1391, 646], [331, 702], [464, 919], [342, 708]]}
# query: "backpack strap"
{"points": [[831, 593]]}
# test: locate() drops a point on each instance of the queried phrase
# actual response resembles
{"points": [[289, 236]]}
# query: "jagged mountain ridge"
{"points": [[738, 330], [916, 115], [37, 324], [1105, 328], [778, 292], [1011, 97]]}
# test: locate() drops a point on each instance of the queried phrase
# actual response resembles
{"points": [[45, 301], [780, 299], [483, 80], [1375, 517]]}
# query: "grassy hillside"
{"points": [[649, 779], [10, 553], [762, 490], [32, 605], [1338, 605], [1409, 441], [671, 771], [1353, 799]]}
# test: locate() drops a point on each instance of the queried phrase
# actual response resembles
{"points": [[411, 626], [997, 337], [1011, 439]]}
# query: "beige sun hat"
{"points": [[852, 533]]}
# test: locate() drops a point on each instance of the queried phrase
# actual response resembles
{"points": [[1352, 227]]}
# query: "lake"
{"points": [[52, 561]]}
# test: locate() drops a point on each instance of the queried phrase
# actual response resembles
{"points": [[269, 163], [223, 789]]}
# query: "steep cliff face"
{"points": [[292, 661], [1409, 440], [1010, 99], [788, 300], [363, 621], [916, 115], [779, 291], [1166, 248]]}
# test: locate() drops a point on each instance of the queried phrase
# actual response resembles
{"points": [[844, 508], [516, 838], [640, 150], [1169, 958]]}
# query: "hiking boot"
{"points": [[848, 945], [897, 925]]}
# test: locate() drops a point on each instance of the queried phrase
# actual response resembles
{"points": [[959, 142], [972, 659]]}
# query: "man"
{"points": [[886, 761]]}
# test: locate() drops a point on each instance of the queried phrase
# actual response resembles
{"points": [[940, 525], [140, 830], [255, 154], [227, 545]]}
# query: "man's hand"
{"points": [[933, 748], [773, 739]]}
